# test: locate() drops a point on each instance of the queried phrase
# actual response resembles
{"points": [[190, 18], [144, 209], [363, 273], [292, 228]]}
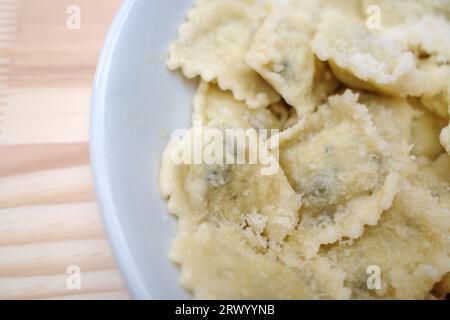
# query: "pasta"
{"points": [[215, 107], [415, 129], [346, 183], [397, 61], [409, 244], [395, 12], [225, 191], [235, 271], [336, 181], [281, 53], [213, 44]]}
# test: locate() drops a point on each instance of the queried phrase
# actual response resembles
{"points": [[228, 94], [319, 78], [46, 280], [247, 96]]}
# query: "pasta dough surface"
{"points": [[355, 121], [213, 44], [235, 271], [410, 245], [400, 60], [399, 11], [218, 108], [281, 53], [346, 183]]}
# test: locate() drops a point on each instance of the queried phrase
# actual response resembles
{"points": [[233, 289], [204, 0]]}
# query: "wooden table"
{"points": [[49, 221]]}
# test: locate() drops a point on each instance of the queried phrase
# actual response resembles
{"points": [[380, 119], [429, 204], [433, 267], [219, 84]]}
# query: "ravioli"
{"points": [[426, 129], [235, 271], [438, 104], [233, 192], [435, 177], [213, 44], [393, 118], [218, 108], [399, 11], [265, 206], [410, 246], [280, 52], [346, 183], [400, 60], [414, 129], [353, 189], [442, 289]]}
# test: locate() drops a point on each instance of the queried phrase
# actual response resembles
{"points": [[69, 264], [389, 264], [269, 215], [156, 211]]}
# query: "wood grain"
{"points": [[45, 116], [48, 215], [54, 257], [15, 160], [40, 287], [48, 54], [49, 223], [47, 187], [112, 295]]}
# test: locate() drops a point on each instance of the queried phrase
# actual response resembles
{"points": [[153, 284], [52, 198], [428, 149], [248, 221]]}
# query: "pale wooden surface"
{"points": [[48, 216]]}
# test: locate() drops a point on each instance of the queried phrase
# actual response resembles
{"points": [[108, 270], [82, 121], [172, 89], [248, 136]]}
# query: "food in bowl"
{"points": [[317, 164]]}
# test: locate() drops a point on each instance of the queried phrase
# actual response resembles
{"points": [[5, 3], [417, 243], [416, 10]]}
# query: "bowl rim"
{"points": [[109, 213]]}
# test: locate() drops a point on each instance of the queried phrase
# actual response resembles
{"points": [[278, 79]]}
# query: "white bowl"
{"points": [[136, 104]]}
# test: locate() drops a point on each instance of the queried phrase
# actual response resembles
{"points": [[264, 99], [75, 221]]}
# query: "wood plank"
{"points": [[47, 187], [8, 34], [63, 57], [16, 160], [45, 116], [56, 285], [54, 257], [113, 295], [48, 217], [37, 224]]}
